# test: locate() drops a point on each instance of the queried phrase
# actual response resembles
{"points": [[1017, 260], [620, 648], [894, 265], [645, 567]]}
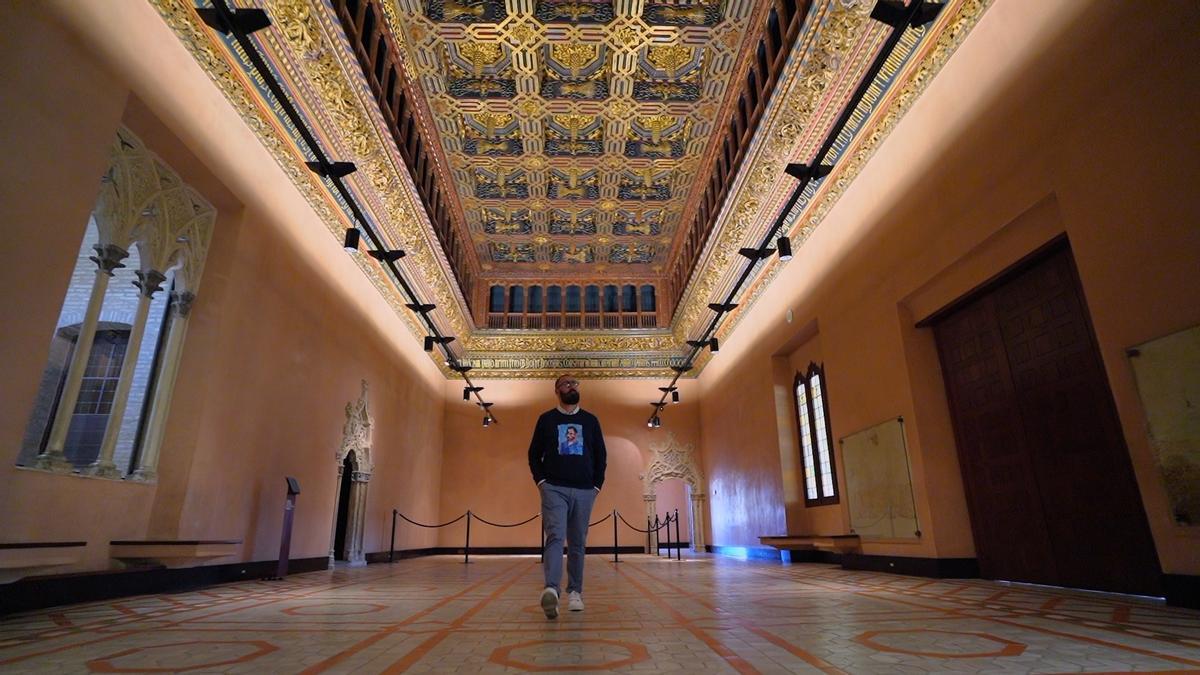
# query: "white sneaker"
{"points": [[575, 601], [550, 602]]}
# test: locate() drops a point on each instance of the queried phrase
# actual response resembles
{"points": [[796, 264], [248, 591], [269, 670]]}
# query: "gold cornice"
{"points": [[785, 127]]}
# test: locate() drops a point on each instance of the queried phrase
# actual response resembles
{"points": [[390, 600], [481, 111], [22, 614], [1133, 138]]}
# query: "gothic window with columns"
{"points": [[105, 392]]}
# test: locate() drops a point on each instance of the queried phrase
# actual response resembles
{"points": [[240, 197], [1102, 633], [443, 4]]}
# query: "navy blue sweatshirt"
{"points": [[568, 450]]}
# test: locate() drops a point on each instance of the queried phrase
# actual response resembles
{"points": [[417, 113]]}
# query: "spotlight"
{"points": [[675, 396], [722, 307], [467, 391], [387, 256], [431, 340], [713, 346], [711, 343], [352, 238], [655, 422], [487, 420], [785, 249]]}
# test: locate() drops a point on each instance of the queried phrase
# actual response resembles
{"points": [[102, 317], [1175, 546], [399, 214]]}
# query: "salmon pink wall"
{"points": [[998, 157], [487, 469], [283, 330]]}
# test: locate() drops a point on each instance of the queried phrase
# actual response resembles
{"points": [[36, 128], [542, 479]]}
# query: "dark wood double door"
{"points": [[1049, 483]]}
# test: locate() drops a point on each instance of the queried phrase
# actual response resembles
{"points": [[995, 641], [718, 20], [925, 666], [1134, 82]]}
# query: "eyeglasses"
{"points": [[573, 384]]}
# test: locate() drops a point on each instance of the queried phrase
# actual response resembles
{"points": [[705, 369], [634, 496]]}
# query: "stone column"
{"points": [[698, 521], [150, 282], [651, 501], [356, 524], [147, 468], [108, 258]]}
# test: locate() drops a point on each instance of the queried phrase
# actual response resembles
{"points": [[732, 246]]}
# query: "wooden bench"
{"points": [[171, 552], [21, 559], [836, 543]]}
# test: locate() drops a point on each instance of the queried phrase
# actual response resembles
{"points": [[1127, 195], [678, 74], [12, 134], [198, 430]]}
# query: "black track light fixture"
{"points": [[722, 307], [785, 248], [420, 308], [487, 420], [675, 396], [467, 391], [431, 340], [711, 343], [387, 256], [667, 390], [460, 368], [485, 405], [244, 21], [353, 236], [808, 171], [756, 254], [332, 169], [896, 14]]}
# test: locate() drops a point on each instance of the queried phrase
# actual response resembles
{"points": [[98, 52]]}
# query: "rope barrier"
{"points": [[469, 515], [600, 521], [476, 516], [448, 522]]}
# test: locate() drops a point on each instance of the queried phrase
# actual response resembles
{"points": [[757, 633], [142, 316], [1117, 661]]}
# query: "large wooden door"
{"points": [[1049, 483]]}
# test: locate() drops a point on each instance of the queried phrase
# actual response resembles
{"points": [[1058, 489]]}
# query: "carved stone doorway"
{"points": [[669, 460], [354, 465]]}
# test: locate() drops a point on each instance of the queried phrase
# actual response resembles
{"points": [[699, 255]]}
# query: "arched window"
{"points": [[496, 299], [535, 299], [573, 299], [812, 423], [105, 392], [554, 299], [516, 299], [591, 299], [648, 298]]}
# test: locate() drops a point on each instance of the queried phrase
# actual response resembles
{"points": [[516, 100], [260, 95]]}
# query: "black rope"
{"points": [[449, 522], [653, 529], [488, 522], [600, 521]]}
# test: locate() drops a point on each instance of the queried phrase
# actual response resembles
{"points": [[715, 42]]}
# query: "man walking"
{"points": [[567, 459]]}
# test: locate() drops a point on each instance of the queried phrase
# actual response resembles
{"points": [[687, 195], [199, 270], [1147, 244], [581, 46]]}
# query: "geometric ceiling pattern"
{"points": [[574, 131]]}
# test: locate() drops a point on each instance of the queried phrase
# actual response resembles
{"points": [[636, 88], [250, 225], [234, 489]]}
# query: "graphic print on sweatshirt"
{"points": [[570, 439]]}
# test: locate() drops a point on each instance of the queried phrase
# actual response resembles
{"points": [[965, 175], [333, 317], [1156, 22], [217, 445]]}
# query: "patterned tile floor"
{"points": [[646, 614]]}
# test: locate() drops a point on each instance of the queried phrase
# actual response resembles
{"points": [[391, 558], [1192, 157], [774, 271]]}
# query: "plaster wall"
{"points": [[1062, 136], [283, 330], [487, 469]]}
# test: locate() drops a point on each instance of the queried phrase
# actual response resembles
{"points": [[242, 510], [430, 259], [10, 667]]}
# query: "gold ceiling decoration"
{"points": [[574, 132]]}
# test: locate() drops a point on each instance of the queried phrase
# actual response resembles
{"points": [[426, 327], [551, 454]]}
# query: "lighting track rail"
{"points": [[240, 23], [899, 17]]}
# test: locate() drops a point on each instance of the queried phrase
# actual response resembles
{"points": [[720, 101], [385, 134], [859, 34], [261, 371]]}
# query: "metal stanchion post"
{"points": [[392, 546], [668, 529], [657, 541], [615, 558], [467, 548], [678, 539], [647, 535]]}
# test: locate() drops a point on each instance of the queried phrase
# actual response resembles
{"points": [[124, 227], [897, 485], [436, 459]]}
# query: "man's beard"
{"points": [[569, 397]]}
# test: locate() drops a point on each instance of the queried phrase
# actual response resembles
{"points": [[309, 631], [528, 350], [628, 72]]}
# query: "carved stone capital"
{"points": [[181, 303], [649, 498], [144, 474], [360, 476], [108, 257], [149, 281], [102, 469]]}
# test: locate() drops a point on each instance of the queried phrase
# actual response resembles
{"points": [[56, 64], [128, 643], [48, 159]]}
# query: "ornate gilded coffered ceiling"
{"points": [[574, 140]]}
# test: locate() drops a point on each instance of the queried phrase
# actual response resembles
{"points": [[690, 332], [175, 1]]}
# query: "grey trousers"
{"points": [[565, 512]]}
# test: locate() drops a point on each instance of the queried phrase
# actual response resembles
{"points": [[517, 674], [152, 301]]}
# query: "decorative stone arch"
{"points": [[357, 446], [669, 460]]}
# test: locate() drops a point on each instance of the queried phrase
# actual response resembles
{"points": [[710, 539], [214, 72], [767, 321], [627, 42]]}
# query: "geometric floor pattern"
{"points": [[645, 614]]}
